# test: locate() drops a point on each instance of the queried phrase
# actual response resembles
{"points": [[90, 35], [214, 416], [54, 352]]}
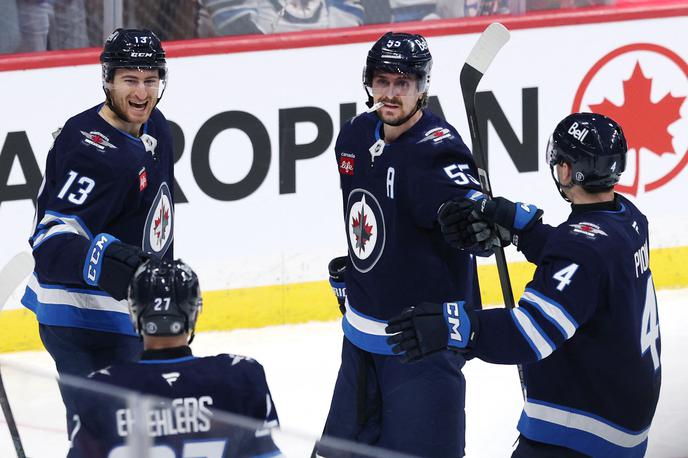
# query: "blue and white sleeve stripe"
{"points": [[553, 311], [54, 223], [532, 333]]}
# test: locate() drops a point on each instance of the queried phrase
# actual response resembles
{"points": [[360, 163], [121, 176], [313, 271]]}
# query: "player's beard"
{"points": [[120, 109], [399, 119]]}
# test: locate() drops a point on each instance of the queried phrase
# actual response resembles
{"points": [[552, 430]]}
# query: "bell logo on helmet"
{"points": [[578, 134]]}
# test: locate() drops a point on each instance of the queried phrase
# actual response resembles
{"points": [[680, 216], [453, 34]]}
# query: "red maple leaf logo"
{"points": [[645, 123], [363, 232]]}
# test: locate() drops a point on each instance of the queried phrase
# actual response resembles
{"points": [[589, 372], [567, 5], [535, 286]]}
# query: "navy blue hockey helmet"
{"points": [[595, 148], [164, 298], [397, 52], [133, 48]]}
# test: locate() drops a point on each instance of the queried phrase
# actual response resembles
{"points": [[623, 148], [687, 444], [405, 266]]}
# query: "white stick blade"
{"points": [[13, 273], [490, 42]]}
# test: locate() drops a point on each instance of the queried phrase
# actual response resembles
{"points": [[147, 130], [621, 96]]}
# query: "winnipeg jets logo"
{"points": [[590, 230], [171, 377], [436, 135], [157, 234], [97, 139], [366, 229]]}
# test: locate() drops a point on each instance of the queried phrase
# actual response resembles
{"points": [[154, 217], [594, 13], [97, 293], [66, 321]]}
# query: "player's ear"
{"points": [[564, 173]]}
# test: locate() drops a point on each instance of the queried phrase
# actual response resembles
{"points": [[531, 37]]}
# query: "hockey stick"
{"points": [[11, 276], [484, 51], [479, 59]]}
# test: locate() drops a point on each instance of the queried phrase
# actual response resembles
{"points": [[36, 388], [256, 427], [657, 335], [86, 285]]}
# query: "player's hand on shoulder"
{"points": [[428, 328], [337, 271]]}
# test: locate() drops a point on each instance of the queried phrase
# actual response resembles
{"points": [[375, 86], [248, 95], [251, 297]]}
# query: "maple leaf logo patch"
{"points": [[643, 87]]}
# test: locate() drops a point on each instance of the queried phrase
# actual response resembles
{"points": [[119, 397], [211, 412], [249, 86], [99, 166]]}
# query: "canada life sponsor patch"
{"points": [[157, 233], [346, 163], [365, 229], [589, 230]]}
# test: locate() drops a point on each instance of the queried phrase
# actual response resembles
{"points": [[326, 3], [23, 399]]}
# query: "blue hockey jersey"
{"points": [[391, 196], [189, 421], [98, 179], [587, 331]]}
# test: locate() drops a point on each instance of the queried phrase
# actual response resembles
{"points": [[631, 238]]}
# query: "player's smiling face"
{"points": [[134, 93], [398, 92]]}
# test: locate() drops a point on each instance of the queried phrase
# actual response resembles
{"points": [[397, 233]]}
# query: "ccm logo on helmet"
{"points": [[578, 134], [142, 54]]}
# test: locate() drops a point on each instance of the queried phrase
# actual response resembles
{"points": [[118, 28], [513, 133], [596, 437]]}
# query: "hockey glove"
{"points": [[337, 270], [461, 230], [110, 265], [428, 328]]}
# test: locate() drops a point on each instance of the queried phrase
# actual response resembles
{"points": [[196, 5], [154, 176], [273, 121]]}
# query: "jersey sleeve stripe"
{"points": [[53, 231], [553, 311], [567, 422], [71, 220], [536, 338]]}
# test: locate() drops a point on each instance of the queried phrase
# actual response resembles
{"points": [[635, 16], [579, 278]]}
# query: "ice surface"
{"points": [[301, 363]]}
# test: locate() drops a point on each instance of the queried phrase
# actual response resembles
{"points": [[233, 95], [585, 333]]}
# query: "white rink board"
{"points": [[269, 238]]}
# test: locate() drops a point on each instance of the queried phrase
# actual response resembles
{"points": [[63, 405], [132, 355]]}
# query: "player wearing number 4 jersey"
{"points": [[586, 328], [184, 420], [105, 205]]}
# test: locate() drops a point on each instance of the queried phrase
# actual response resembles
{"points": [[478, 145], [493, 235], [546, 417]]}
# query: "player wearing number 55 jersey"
{"points": [[586, 328], [105, 205], [397, 167]]}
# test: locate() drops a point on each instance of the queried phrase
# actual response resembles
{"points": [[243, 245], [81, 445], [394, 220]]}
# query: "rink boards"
{"points": [[259, 206]]}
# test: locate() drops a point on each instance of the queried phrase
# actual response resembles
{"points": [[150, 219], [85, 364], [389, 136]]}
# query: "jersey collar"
{"points": [[166, 353], [609, 206]]}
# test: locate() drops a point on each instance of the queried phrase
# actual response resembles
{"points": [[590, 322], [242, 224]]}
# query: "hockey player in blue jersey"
{"points": [[398, 165], [105, 205], [165, 300], [586, 328]]}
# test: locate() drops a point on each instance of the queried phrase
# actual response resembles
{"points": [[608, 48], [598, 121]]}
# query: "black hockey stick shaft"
{"points": [[12, 274], [477, 63], [479, 59], [9, 417]]}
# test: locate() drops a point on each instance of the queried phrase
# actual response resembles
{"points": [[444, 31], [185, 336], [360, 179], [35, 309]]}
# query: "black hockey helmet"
{"points": [[397, 52], [595, 148], [133, 48], [164, 298]]}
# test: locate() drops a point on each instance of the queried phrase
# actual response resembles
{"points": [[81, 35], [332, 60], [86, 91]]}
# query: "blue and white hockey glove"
{"points": [[476, 220], [110, 265], [428, 328], [337, 270]]}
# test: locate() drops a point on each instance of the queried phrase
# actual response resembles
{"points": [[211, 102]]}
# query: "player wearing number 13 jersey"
{"points": [[397, 166], [105, 205]]}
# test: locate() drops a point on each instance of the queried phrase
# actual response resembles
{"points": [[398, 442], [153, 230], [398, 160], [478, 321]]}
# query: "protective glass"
{"points": [[394, 85], [138, 79], [550, 154]]}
